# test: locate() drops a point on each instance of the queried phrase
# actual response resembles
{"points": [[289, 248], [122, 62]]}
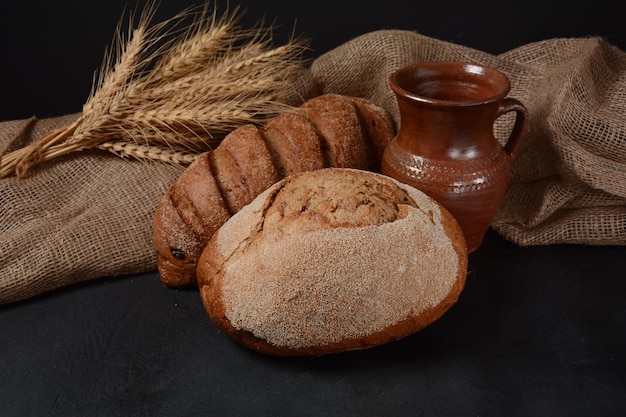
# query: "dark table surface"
{"points": [[538, 331]]}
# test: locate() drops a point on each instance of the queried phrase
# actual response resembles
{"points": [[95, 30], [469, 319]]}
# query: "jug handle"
{"points": [[519, 128]]}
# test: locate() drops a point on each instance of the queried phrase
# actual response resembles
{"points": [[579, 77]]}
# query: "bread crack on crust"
{"points": [[312, 207]]}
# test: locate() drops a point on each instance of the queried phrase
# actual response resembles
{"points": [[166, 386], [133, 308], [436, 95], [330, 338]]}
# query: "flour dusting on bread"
{"points": [[333, 260]]}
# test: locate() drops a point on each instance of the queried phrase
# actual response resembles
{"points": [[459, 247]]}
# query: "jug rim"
{"points": [[492, 78]]}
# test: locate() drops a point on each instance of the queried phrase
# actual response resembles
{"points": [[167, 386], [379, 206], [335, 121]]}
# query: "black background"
{"points": [[50, 50], [538, 331]]}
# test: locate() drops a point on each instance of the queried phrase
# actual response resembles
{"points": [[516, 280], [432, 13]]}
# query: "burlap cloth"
{"points": [[89, 215]]}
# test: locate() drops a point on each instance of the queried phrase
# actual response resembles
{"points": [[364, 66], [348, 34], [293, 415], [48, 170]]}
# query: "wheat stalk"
{"points": [[148, 153], [167, 93]]}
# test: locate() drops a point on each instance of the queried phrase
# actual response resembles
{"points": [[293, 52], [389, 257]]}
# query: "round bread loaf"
{"points": [[332, 260]]}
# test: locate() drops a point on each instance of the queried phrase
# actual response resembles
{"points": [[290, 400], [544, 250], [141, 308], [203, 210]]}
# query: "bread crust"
{"points": [[291, 308], [187, 216], [249, 150], [335, 118], [294, 144], [177, 247], [378, 129], [198, 200]]}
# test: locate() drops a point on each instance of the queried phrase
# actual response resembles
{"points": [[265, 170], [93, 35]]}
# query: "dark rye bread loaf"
{"points": [[332, 260], [326, 131]]}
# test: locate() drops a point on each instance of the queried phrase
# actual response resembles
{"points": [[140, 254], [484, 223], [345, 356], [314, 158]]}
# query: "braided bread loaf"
{"points": [[327, 131]]}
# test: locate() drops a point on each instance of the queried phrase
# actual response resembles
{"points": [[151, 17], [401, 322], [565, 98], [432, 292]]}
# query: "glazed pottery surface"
{"points": [[446, 146]]}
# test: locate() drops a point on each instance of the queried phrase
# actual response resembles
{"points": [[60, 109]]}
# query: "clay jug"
{"points": [[445, 144]]}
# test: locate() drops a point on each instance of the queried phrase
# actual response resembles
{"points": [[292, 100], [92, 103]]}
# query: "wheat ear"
{"points": [[148, 153], [168, 93]]}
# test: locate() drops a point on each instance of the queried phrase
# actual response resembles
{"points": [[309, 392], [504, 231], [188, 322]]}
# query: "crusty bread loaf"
{"points": [[328, 130], [332, 260]]}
